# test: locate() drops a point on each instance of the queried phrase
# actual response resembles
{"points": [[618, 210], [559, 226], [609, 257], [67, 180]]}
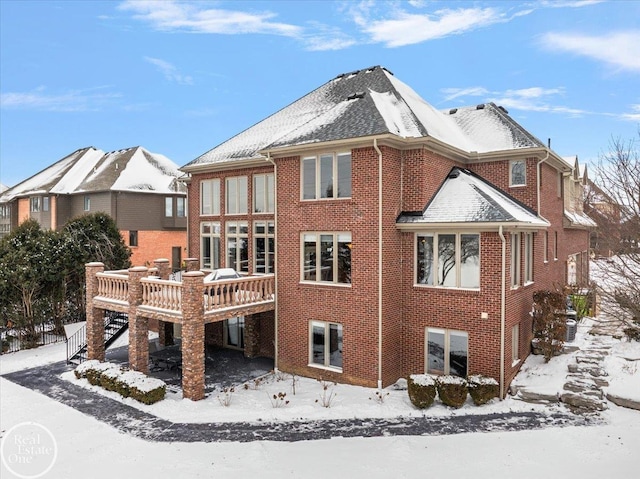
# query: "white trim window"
{"points": [[87, 203], [555, 246], [181, 207], [263, 193], [546, 247], [236, 195], [45, 203], [515, 260], [447, 352], [450, 260], [237, 236], [233, 336], [168, 206], [325, 345], [517, 173], [210, 197], [210, 244], [515, 344], [35, 204], [528, 258], [326, 257], [264, 247], [326, 176]]}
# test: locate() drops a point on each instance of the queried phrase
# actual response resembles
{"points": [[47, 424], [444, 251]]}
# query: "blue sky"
{"points": [[178, 78]]}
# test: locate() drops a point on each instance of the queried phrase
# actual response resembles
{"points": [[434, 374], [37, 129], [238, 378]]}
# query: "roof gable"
{"points": [[465, 197]]}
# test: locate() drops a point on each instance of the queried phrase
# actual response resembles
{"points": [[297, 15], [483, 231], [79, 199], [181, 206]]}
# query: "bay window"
{"points": [[448, 260]]}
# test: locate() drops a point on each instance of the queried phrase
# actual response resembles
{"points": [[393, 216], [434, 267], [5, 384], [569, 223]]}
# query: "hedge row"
{"points": [[452, 390], [131, 384]]}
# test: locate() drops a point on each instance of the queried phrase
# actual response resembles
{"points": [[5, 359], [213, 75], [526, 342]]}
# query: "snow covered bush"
{"points": [[132, 384], [482, 389], [143, 388], [452, 390], [549, 322], [422, 390]]}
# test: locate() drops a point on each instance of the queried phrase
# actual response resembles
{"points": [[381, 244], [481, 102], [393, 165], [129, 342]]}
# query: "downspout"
{"points": [[375, 146], [275, 258], [538, 169], [503, 298]]}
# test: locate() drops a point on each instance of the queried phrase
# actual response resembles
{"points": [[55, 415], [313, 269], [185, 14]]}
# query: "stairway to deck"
{"points": [[115, 324]]}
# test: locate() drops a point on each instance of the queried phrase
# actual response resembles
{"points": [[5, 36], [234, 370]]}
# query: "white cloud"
{"points": [[71, 101], [634, 116], [453, 93], [569, 3], [407, 29], [618, 49], [169, 71], [525, 99], [169, 15], [325, 37]]}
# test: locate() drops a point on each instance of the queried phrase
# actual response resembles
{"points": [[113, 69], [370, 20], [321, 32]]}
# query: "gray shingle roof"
{"points": [[370, 102], [464, 197]]}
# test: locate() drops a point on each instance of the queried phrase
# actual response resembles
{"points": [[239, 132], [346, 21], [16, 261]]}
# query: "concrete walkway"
{"points": [[46, 380]]}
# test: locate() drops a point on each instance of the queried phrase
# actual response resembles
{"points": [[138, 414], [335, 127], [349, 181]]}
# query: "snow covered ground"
{"points": [[88, 446]]}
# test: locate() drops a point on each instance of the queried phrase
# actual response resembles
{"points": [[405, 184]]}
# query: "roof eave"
{"points": [[540, 152], [469, 226], [254, 161]]}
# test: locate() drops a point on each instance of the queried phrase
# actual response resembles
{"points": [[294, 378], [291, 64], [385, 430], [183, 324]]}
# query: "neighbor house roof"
{"points": [[91, 170], [464, 197], [3, 188], [365, 103]]}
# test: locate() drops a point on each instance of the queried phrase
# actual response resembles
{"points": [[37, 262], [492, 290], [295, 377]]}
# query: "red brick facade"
{"points": [[410, 178], [155, 244]]}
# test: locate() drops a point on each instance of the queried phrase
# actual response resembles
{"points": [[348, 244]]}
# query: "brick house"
{"points": [[137, 188], [403, 239]]}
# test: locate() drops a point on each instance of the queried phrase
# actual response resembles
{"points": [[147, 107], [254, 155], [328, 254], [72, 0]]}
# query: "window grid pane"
{"points": [[447, 260]]}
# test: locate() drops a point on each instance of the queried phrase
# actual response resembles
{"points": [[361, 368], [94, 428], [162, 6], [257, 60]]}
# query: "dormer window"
{"points": [[517, 173]]}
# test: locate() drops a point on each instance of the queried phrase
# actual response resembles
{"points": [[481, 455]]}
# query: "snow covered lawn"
{"points": [[88, 446]]}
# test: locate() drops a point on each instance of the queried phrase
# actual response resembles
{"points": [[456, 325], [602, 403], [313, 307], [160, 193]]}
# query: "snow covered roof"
{"points": [[489, 128], [370, 102], [3, 188], [90, 170], [466, 198], [579, 219]]}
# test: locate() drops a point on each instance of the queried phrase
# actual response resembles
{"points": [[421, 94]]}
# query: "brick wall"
{"points": [[155, 244], [410, 178], [194, 209]]}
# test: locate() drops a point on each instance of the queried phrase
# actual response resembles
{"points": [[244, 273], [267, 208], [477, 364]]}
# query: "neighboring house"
{"points": [[575, 187], [140, 190], [403, 239]]}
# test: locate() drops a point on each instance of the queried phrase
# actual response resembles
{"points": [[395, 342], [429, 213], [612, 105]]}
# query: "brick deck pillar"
{"points": [[95, 316], [192, 336], [163, 267], [138, 327], [252, 335], [192, 264], [165, 330]]}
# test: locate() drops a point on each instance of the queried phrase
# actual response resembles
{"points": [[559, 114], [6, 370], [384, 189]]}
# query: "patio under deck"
{"points": [[147, 293]]}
